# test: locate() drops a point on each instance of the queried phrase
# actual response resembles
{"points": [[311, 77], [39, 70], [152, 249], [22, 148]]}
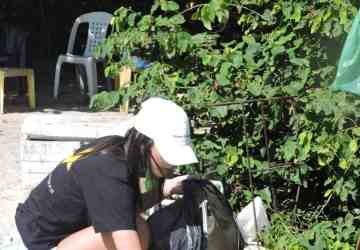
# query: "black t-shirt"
{"points": [[96, 190]]}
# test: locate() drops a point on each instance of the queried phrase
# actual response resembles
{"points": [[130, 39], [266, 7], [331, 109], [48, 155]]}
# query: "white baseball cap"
{"points": [[168, 126]]}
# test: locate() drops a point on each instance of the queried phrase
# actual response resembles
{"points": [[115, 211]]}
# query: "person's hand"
{"points": [[174, 185]]}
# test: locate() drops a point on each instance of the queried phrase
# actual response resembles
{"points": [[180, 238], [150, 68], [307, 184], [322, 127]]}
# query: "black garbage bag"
{"points": [[201, 220]]}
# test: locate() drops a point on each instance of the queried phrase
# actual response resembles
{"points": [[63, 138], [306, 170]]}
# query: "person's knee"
{"points": [[143, 232]]}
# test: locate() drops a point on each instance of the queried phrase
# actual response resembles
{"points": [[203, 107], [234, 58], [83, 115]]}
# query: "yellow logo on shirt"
{"points": [[74, 157]]}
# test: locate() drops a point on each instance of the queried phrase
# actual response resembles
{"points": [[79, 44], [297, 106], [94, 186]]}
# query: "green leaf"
{"points": [[232, 156], [316, 23], [172, 6], [120, 14], [253, 49], [277, 50], [328, 193], [184, 41], [219, 112], [169, 5], [223, 75], [298, 42], [289, 150], [344, 165], [249, 39], [154, 7], [221, 169], [131, 19], [207, 16], [356, 131], [222, 79], [343, 16], [287, 10], [207, 24], [145, 23], [294, 88], [104, 101], [249, 59], [177, 19], [222, 15], [353, 146], [225, 68], [305, 139], [161, 21], [322, 160], [299, 61], [210, 10], [237, 59], [296, 178], [297, 12], [255, 88], [285, 39]]}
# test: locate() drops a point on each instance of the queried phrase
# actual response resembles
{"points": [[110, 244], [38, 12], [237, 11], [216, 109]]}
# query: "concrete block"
{"points": [[37, 167], [44, 151], [31, 180], [58, 135], [76, 124]]}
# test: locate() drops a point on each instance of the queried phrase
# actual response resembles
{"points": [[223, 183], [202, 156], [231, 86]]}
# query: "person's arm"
{"points": [[169, 187], [150, 199]]}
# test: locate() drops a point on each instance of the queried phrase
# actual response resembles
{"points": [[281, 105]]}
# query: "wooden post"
{"points": [[2, 89], [31, 88], [123, 81]]}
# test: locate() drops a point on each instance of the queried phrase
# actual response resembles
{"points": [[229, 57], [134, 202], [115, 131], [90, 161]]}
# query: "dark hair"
{"points": [[138, 150], [134, 148]]}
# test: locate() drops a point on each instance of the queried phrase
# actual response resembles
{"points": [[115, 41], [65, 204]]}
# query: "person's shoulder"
{"points": [[104, 164], [101, 158]]}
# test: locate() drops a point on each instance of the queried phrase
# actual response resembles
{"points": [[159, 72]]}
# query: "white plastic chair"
{"points": [[98, 24]]}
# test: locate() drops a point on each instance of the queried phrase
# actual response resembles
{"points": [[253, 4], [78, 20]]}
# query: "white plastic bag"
{"points": [[246, 221]]}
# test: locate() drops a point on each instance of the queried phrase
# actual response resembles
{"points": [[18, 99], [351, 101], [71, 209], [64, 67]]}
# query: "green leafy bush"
{"points": [[254, 77], [326, 235]]}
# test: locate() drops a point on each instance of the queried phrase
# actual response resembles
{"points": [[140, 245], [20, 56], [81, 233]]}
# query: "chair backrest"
{"points": [[98, 24], [13, 45]]}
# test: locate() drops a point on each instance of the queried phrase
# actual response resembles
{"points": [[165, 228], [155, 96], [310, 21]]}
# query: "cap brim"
{"points": [[176, 155]]}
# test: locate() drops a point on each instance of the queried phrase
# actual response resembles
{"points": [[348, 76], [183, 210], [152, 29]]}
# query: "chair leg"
{"points": [[2, 86], [79, 70], [31, 88], [109, 83], [57, 77], [91, 75]]}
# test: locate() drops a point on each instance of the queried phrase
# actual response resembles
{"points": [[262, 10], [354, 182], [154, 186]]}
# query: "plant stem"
{"points": [[266, 137], [191, 8]]}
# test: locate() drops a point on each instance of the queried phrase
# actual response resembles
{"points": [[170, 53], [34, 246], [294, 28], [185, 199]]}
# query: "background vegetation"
{"points": [[253, 76]]}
